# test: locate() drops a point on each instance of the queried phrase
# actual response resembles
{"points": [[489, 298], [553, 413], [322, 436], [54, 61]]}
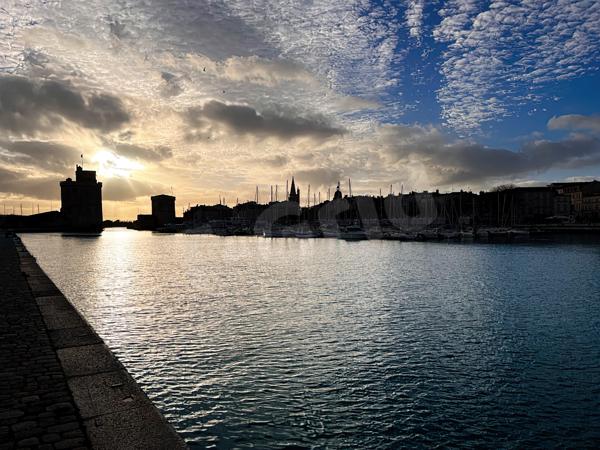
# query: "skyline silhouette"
{"points": [[413, 92]]}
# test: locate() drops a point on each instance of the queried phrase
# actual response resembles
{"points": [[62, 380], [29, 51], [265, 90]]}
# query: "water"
{"points": [[284, 343]]}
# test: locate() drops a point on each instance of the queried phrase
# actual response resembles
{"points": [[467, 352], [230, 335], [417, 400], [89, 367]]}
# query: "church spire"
{"points": [[294, 195]]}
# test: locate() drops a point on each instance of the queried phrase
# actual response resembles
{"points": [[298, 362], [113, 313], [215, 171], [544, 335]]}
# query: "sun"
{"points": [[112, 165]]}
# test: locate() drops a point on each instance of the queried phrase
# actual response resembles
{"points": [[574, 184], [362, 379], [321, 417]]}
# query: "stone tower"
{"points": [[81, 201]]}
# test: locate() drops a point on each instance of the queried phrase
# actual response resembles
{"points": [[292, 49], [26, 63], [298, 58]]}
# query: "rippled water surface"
{"points": [[286, 343]]}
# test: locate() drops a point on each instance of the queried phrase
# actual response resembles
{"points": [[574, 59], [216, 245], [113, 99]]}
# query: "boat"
{"points": [[450, 235], [507, 235], [467, 235], [397, 235], [517, 235], [330, 233], [305, 232], [428, 235], [277, 231], [353, 233]]}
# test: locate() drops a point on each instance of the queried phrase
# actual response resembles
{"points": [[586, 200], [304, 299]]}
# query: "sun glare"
{"points": [[112, 165]]}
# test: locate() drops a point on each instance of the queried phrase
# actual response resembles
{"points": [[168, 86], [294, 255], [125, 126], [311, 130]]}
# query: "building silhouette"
{"points": [[81, 201], [294, 195], [163, 209]]}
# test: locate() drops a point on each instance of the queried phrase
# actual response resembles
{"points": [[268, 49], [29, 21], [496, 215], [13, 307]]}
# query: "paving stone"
{"points": [[140, 428], [24, 425], [53, 301], [28, 442], [105, 393], [64, 427], [63, 319], [51, 437], [10, 414], [65, 407], [87, 360], [73, 337], [69, 443]]}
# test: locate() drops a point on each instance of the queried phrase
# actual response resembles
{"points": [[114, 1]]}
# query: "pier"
{"points": [[60, 385]]}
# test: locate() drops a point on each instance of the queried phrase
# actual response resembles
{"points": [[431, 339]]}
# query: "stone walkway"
{"points": [[37, 409], [60, 386]]}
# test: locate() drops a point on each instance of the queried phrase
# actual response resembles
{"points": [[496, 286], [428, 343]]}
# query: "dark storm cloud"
{"points": [[27, 107], [152, 154], [468, 162], [38, 154], [43, 187], [245, 120]]}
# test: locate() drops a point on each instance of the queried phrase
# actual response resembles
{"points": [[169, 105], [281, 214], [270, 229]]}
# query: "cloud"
{"points": [[451, 161], [318, 177], [43, 155], [46, 187], [245, 120], [27, 107], [414, 17], [21, 184], [124, 189], [117, 29], [575, 122], [132, 151], [171, 87], [268, 72], [276, 161], [350, 45], [500, 54]]}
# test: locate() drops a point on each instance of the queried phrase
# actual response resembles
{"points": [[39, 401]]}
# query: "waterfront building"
{"points": [[145, 222], [576, 191], [591, 206], [81, 201], [163, 209], [199, 215]]}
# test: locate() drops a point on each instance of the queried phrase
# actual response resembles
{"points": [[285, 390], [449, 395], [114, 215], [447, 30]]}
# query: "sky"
{"points": [[207, 99]]}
